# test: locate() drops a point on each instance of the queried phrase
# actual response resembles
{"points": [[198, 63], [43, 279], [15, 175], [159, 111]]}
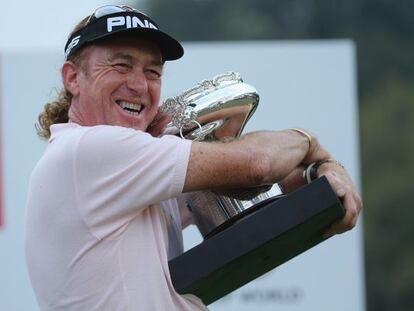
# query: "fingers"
{"points": [[348, 221], [345, 190], [336, 183], [159, 123]]}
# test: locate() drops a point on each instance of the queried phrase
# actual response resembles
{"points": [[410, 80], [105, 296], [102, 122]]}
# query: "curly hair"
{"points": [[57, 110]]}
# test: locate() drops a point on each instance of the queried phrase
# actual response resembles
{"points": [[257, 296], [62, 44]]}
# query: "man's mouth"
{"points": [[131, 108]]}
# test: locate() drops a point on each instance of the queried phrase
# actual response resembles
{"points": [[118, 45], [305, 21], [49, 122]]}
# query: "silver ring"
{"points": [[200, 129]]}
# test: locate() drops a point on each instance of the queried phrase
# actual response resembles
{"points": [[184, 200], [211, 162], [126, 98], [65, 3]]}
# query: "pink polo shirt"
{"points": [[102, 221]]}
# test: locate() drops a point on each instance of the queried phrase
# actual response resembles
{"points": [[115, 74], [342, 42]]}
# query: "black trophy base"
{"points": [[257, 243]]}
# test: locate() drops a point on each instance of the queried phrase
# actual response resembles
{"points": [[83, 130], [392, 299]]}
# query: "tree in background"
{"points": [[383, 32]]}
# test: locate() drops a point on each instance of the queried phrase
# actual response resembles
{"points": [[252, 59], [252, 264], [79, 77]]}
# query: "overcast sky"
{"points": [[42, 24]]}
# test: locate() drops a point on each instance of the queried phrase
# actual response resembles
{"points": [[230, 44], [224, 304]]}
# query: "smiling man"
{"points": [[102, 212], [120, 86]]}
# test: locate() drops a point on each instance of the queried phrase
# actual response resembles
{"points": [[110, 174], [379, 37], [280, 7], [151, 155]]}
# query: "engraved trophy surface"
{"points": [[216, 109]]}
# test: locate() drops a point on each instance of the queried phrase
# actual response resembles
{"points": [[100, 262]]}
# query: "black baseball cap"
{"points": [[123, 19]]}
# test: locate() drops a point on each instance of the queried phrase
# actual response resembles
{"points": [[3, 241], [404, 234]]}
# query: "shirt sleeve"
{"points": [[120, 171]]}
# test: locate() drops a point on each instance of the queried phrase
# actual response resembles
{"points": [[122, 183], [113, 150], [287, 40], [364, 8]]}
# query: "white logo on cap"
{"points": [[74, 42], [127, 22]]}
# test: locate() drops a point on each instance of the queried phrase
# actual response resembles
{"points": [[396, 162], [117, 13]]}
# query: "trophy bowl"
{"points": [[216, 110]]}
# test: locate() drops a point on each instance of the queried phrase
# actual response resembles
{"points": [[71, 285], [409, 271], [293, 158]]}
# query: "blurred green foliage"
{"points": [[383, 31]]}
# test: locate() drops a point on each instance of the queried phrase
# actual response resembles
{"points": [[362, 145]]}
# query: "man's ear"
{"points": [[70, 76]]}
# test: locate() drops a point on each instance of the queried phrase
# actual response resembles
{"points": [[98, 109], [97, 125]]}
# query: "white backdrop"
{"points": [[307, 84]]}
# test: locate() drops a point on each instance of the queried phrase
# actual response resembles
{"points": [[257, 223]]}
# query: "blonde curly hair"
{"points": [[57, 110]]}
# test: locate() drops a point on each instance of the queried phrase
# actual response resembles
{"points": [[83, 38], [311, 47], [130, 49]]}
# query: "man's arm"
{"points": [[255, 159], [265, 158]]}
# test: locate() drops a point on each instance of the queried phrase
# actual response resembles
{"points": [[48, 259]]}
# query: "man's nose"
{"points": [[137, 82]]}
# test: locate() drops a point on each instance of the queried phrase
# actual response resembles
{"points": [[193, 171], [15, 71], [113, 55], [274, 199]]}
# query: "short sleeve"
{"points": [[120, 171]]}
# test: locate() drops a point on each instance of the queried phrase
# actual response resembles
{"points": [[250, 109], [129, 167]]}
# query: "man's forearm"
{"points": [[252, 160]]}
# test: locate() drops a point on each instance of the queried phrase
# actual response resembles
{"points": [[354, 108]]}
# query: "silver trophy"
{"points": [[216, 109]]}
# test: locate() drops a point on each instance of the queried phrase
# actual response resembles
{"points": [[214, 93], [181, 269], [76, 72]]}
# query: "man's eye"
{"points": [[123, 66], [153, 74]]}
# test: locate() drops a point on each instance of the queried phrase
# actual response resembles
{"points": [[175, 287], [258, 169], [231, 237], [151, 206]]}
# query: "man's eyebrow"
{"points": [[121, 55], [130, 58]]}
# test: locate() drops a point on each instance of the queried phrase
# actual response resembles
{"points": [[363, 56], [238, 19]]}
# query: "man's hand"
{"points": [[157, 126], [344, 188]]}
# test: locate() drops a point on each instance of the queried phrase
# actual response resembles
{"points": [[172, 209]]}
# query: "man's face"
{"points": [[119, 84]]}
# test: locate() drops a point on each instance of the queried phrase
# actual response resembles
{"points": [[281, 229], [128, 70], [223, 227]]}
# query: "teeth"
{"points": [[131, 108]]}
